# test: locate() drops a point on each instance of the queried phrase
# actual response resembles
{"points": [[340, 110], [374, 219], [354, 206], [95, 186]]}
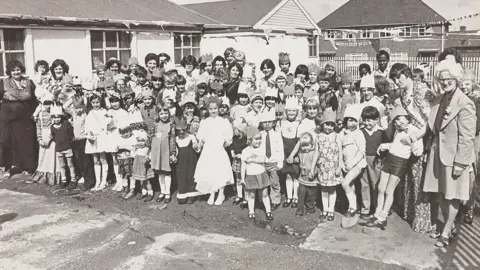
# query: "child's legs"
{"points": [[266, 200], [302, 190], [332, 198], [251, 200], [238, 185], [389, 193], [382, 189], [62, 164], [289, 186], [325, 198], [79, 154], [161, 182], [296, 185], [71, 168], [349, 188], [311, 197], [275, 189], [149, 188], [366, 182], [168, 183]]}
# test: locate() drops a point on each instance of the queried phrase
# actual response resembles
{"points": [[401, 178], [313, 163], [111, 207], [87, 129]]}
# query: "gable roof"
{"points": [[356, 13], [139, 10], [236, 12]]}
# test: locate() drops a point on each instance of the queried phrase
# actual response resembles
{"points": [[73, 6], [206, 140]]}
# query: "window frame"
{"points": [[329, 34], [355, 59], [312, 46], [424, 33], [183, 47], [404, 32], [4, 51], [399, 57], [384, 34], [104, 48], [366, 34]]}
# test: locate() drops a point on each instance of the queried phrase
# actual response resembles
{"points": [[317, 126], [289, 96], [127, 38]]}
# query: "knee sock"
{"points": [[144, 191], [325, 201], [98, 174], [132, 183], [352, 200], [118, 177], [266, 203], [220, 193], [332, 199], [289, 187], [239, 190], [296, 184], [104, 173], [251, 202], [168, 183], [161, 181]]}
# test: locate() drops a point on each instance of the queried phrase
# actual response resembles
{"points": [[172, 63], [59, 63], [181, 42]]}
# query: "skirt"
{"points": [[258, 181], [47, 171], [395, 165], [237, 165], [160, 151], [101, 144], [185, 170], [125, 166], [292, 169], [438, 177], [141, 170]]}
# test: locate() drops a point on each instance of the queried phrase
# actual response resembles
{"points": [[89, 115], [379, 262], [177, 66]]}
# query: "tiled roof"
{"points": [[137, 10], [357, 13], [236, 12]]}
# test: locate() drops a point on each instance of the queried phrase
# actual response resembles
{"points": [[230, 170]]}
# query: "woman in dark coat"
{"points": [[235, 72], [17, 128]]}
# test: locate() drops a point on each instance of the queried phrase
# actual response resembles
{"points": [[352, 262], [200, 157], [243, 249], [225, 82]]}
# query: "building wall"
{"points": [[289, 16], [257, 49], [73, 46], [153, 42]]}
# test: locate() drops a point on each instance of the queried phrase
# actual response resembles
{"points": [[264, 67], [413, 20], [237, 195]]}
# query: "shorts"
{"points": [[395, 165], [67, 153]]}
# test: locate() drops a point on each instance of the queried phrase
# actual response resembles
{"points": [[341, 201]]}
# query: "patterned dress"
{"points": [[328, 157]]}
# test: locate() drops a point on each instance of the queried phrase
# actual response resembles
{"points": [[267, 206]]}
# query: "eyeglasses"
{"points": [[447, 80]]}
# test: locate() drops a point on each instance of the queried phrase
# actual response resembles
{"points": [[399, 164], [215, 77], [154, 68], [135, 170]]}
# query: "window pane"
{"points": [[186, 52], [111, 39], [178, 56], [96, 39], [177, 41], [124, 56], [97, 55], [196, 41], [14, 39], [187, 41], [125, 40], [111, 54], [15, 56], [2, 66], [196, 52]]}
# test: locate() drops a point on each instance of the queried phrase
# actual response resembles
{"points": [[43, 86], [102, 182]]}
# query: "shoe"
{"points": [[118, 186], [73, 185], [142, 196], [168, 199], [160, 198], [181, 201], [443, 241], [191, 200], [64, 185], [211, 200], [375, 223], [330, 216], [87, 188], [274, 206], [237, 201], [251, 216], [323, 216], [390, 212], [244, 205], [129, 194], [468, 218], [7, 175], [365, 216], [287, 203], [351, 213], [294, 203], [220, 199], [269, 216], [149, 198]]}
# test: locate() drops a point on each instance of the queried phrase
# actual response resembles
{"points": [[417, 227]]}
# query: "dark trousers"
{"points": [[307, 196], [83, 163]]}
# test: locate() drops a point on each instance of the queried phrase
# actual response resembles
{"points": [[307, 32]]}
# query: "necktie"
{"points": [[268, 151]]}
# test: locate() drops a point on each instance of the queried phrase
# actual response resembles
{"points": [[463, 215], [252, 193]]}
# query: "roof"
{"points": [[236, 12], [139, 10], [356, 13]]}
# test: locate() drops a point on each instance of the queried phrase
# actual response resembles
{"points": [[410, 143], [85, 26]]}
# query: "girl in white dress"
{"points": [[214, 170], [96, 124]]}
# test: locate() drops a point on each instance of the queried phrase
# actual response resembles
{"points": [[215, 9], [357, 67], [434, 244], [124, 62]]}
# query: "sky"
{"points": [[449, 9]]}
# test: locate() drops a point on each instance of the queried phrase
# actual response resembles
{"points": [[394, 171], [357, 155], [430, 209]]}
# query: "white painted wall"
{"points": [[153, 43], [257, 50], [73, 46]]}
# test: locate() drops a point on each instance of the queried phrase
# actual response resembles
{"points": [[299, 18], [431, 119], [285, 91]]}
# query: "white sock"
{"points": [[352, 200], [240, 191], [168, 183], [251, 202], [266, 203], [332, 199], [144, 191], [289, 187], [325, 201], [150, 192], [296, 184], [161, 181]]}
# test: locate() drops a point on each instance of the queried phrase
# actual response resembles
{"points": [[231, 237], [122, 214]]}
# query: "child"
{"points": [[126, 146], [187, 157], [396, 164], [203, 113], [141, 81], [273, 143], [347, 95], [201, 91], [372, 98], [239, 142], [299, 89], [311, 87], [242, 108], [157, 81], [189, 107], [253, 173], [284, 63], [47, 170], [374, 137], [307, 190], [329, 163], [214, 135], [62, 135], [96, 134], [253, 116], [288, 129], [163, 152], [271, 98], [149, 111], [224, 111], [327, 98], [353, 151], [141, 170], [181, 87], [170, 89]]}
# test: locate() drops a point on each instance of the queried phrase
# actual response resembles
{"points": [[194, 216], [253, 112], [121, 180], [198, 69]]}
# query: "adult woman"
{"points": [[151, 63], [228, 55], [17, 129], [189, 63], [219, 62], [57, 82], [235, 71], [268, 69], [416, 99], [114, 66], [452, 122]]}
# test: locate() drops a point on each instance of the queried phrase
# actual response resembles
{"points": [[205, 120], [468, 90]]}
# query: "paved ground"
{"points": [[43, 228]]}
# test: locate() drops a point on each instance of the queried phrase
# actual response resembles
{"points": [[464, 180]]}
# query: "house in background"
{"points": [[265, 28], [359, 28], [467, 42], [78, 31]]}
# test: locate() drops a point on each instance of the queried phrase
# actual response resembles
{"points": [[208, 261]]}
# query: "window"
{"points": [[385, 34], [427, 55], [346, 35], [329, 34], [355, 59], [185, 45], [12, 47], [405, 32], [312, 46], [423, 32], [110, 44], [367, 33], [399, 57]]}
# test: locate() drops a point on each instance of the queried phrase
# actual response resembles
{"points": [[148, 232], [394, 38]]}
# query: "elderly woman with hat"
{"points": [[452, 122]]}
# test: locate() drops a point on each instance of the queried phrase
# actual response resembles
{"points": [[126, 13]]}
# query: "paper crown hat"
{"points": [[256, 97], [242, 88], [77, 81], [353, 111], [216, 86], [251, 132], [279, 108], [45, 96], [283, 58], [240, 124], [109, 74], [67, 79], [267, 115], [271, 92], [280, 76], [329, 116], [188, 98], [397, 111], [206, 58], [291, 103], [346, 77], [201, 79], [118, 77], [109, 82], [239, 56], [132, 61], [56, 110], [313, 68], [78, 102], [158, 73], [330, 64], [368, 81], [180, 123], [385, 49], [147, 93], [126, 91], [100, 84], [213, 99], [425, 67], [289, 90]]}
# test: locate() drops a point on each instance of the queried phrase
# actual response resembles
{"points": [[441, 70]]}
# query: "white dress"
{"points": [[214, 170], [96, 130], [118, 119]]}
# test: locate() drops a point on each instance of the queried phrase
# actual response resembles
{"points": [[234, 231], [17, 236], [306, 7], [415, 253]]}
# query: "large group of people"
{"points": [[286, 135]]}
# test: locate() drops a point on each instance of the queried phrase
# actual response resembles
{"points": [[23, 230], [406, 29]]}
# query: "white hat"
{"points": [[353, 111], [188, 98], [77, 81], [271, 92], [87, 85], [291, 103], [242, 88], [367, 81], [56, 110], [267, 115]]}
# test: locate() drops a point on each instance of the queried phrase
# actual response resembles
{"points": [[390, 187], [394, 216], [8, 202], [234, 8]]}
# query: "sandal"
{"points": [[269, 216], [443, 241], [251, 216]]}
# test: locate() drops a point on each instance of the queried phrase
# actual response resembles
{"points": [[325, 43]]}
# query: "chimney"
{"points": [[463, 29]]}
